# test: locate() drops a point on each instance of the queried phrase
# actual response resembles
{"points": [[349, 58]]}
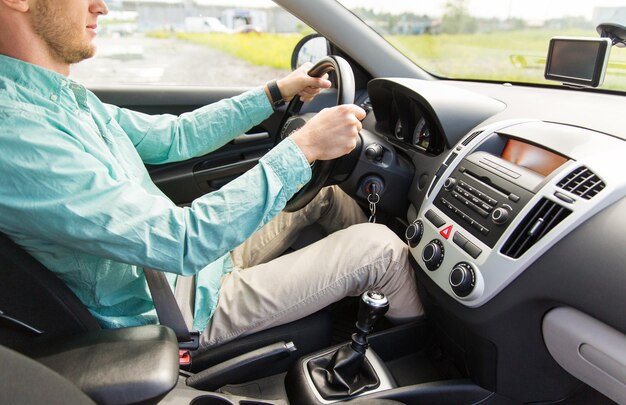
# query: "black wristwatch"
{"points": [[277, 98]]}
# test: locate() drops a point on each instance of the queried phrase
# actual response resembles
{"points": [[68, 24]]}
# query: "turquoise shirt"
{"points": [[75, 194]]}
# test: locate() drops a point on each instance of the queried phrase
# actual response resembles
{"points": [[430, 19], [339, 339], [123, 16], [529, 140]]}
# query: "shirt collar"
{"points": [[44, 82]]}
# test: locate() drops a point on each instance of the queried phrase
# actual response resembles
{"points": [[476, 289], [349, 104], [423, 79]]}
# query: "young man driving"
{"points": [[76, 195]]}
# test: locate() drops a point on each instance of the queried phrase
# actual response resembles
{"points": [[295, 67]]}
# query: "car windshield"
{"points": [[495, 40]]}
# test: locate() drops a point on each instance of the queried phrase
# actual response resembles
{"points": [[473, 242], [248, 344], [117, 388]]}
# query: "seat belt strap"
{"points": [[167, 309]]}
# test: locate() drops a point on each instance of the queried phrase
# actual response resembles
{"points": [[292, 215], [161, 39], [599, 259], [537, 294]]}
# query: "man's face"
{"points": [[68, 27]]}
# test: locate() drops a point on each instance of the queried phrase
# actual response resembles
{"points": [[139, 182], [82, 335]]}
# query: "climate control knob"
{"points": [[432, 255], [414, 232], [500, 215], [462, 279]]}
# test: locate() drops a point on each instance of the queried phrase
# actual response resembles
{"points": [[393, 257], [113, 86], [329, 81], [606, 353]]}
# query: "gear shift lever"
{"points": [[346, 372], [373, 305]]}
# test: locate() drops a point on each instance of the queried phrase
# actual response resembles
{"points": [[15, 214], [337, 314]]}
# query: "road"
{"points": [[139, 60]]}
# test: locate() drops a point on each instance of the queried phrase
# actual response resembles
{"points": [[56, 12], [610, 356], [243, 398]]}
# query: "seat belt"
{"points": [[168, 311]]}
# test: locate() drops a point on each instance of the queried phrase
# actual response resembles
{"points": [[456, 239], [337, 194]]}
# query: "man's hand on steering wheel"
{"points": [[332, 133], [299, 83], [327, 137]]}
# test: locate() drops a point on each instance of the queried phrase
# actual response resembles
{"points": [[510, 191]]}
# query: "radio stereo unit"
{"points": [[496, 196], [481, 202]]}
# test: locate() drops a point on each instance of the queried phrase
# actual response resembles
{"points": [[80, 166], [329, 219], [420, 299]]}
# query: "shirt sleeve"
{"points": [[54, 189], [168, 138]]}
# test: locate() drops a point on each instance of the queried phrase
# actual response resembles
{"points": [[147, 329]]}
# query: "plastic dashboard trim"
{"points": [[494, 270]]}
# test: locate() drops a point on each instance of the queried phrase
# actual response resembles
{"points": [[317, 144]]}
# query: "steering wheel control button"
{"points": [[445, 232], [462, 279], [433, 254], [500, 216], [414, 233], [434, 219]]}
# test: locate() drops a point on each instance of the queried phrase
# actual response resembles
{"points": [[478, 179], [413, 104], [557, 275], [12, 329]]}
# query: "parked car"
{"points": [[509, 190], [205, 24]]}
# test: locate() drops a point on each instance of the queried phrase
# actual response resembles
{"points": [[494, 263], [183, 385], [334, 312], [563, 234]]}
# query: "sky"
{"points": [[526, 9]]}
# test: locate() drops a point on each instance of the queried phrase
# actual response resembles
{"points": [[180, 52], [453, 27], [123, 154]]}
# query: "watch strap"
{"points": [[277, 97]]}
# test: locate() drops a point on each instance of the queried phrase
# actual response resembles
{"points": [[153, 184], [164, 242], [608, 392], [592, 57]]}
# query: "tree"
{"points": [[457, 18]]}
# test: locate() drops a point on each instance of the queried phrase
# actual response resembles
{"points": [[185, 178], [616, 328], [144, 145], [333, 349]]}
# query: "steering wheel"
{"points": [[321, 169]]}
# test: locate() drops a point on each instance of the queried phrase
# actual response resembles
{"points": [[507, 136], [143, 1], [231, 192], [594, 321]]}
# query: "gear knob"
{"points": [[373, 305]]}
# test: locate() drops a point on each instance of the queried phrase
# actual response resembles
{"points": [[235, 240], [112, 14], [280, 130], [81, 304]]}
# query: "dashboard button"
{"points": [[445, 232], [434, 218], [480, 228], [564, 197], [470, 204], [472, 249], [514, 197], [459, 239]]}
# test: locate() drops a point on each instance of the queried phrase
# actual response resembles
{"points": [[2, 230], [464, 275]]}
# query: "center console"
{"points": [[499, 201]]}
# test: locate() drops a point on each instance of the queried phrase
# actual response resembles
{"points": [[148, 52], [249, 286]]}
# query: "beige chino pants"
{"points": [[265, 290]]}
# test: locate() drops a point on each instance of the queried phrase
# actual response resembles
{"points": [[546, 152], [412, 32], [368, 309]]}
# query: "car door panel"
{"points": [[184, 181]]}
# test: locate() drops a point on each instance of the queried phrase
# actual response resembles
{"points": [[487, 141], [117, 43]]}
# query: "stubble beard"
{"points": [[62, 39]]}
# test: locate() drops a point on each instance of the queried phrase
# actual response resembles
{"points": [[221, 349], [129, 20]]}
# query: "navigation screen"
{"points": [[532, 157], [580, 61]]}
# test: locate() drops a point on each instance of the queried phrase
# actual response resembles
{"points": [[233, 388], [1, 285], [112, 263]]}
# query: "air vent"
{"points": [[471, 138], [582, 182], [543, 217]]}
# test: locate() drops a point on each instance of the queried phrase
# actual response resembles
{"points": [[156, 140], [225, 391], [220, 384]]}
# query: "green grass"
{"points": [[273, 50], [486, 56], [517, 56], [479, 56]]}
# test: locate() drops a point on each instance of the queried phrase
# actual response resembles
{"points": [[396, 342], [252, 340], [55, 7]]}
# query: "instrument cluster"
{"points": [[413, 126]]}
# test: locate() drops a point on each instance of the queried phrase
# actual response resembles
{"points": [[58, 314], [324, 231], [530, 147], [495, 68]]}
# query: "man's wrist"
{"points": [[300, 140], [275, 96]]}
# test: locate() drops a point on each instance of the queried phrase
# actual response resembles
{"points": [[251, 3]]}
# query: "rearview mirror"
{"points": [[311, 48]]}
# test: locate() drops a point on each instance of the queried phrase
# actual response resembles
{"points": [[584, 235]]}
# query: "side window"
{"points": [[180, 42]]}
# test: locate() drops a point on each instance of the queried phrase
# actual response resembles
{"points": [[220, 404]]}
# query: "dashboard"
{"points": [[514, 226], [413, 126]]}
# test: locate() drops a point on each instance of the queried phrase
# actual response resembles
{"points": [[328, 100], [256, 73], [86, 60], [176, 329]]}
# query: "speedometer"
{"points": [[398, 130], [421, 135]]}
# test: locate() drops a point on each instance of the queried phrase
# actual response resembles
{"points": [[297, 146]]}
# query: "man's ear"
{"points": [[17, 5]]}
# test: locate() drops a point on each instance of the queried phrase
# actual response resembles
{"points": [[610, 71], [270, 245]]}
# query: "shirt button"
{"points": [[53, 97]]}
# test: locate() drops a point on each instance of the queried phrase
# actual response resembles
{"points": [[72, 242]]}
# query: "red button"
{"points": [[445, 232], [184, 357]]}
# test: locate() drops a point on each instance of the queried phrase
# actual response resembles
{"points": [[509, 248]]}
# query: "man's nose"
{"points": [[99, 7]]}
